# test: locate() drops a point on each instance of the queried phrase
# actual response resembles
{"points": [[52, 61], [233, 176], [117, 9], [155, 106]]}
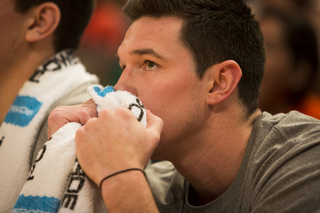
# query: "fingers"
{"points": [[115, 141], [154, 126], [90, 107], [65, 114]]}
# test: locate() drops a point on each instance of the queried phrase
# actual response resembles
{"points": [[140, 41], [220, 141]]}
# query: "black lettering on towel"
{"points": [[39, 157], [1, 140], [65, 59], [139, 106], [75, 185], [69, 201]]}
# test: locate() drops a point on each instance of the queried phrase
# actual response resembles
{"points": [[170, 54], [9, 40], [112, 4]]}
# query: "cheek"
{"points": [[178, 107], [165, 93], [176, 100], [167, 103]]}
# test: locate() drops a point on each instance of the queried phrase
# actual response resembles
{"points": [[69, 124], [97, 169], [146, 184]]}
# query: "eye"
{"points": [[151, 65]]}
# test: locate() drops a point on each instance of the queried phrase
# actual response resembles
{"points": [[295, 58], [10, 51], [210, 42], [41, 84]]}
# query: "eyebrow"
{"points": [[143, 52], [146, 52]]}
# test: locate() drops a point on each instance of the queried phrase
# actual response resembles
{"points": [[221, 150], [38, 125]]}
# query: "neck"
{"points": [[13, 77], [212, 167]]}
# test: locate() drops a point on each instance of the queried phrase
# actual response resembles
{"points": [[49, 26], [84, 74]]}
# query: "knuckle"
{"points": [[157, 138], [79, 134], [104, 112], [160, 121], [91, 122], [124, 112], [89, 103], [58, 111], [53, 116], [83, 113]]}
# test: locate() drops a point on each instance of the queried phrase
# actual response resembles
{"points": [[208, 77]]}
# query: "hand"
{"points": [[116, 141], [65, 114]]}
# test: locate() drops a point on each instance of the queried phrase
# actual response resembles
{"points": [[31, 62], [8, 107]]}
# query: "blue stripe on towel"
{"points": [[23, 111], [102, 93], [37, 204]]}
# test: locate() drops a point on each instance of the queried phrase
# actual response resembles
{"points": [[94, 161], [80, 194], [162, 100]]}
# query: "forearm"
{"points": [[128, 192]]}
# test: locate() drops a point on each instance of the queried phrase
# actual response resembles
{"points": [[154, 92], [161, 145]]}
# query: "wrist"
{"points": [[117, 188], [119, 173]]}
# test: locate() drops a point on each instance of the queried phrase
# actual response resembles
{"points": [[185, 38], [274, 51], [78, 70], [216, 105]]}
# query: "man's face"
{"points": [[160, 70], [12, 32]]}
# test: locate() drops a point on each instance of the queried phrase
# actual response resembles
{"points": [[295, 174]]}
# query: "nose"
{"points": [[120, 85], [126, 82]]}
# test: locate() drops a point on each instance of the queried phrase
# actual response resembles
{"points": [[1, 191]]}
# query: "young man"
{"points": [[39, 71], [197, 65]]}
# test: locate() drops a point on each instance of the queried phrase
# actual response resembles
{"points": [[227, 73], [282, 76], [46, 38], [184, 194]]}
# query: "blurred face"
{"points": [[12, 30], [279, 65], [160, 71]]}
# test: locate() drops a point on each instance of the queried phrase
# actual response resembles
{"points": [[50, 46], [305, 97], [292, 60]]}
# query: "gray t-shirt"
{"points": [[280, 172]]}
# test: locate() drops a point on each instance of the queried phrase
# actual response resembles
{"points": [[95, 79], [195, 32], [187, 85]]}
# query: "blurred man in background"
{"points": [[291, 64], [39, 71], [308, 10]]}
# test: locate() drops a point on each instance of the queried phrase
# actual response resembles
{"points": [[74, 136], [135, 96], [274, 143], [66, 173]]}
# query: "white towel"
{"points": [[53, 80], [56, 182]]}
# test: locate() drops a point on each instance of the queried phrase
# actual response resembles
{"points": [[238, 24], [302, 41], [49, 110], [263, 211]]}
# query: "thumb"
{"points": [[91, 107], [154, 126]]}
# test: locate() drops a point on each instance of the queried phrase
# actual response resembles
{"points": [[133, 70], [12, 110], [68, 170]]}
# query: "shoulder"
{"points": [[283, 136], [285, 163], [287, 128]]}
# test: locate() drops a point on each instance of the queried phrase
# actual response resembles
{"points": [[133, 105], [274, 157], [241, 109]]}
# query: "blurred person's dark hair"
{"points": [[291, 63], [298, 6], [75, 16], [301, 40]]}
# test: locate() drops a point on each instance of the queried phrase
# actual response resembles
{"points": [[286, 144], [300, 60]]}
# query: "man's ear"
{"points": [[43, 21], [223, 79]]}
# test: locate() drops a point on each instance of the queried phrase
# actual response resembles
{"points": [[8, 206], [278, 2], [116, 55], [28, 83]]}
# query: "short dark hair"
{"points": [[215, 31], [300, 38], [75, 16]]}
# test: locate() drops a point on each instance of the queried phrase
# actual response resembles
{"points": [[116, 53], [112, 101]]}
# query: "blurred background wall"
{"points": [[101, 40]]}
